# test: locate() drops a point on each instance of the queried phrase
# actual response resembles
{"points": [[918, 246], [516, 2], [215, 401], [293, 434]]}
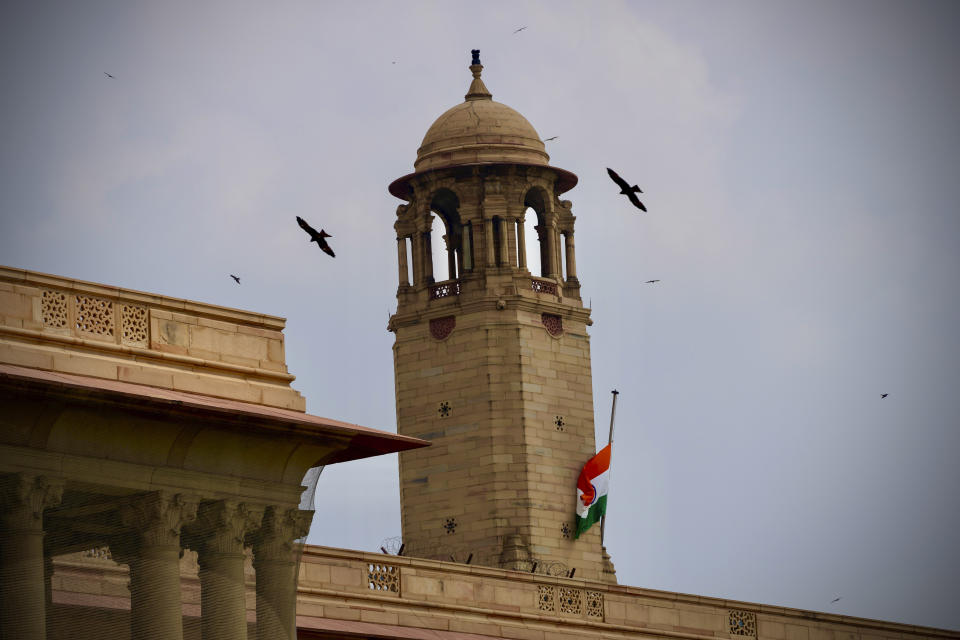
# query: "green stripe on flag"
{"points": [[597, 509]]}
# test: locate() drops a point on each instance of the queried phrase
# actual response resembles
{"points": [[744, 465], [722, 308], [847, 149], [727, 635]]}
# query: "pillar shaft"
{"points": [[416, 246], [153, 554], [451, 258], [402, 261], [556, 267], [504, 244], [276, 600], [223, 606], [22, 582], [274, 558], [521, 245], [468, 247], [427, 258], [155, 608], [218, 538], [512, 242], [488, 236], [571, 256]]}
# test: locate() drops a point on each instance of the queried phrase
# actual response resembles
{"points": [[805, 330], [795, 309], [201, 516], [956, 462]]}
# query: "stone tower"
{"points": [[492, 363]]}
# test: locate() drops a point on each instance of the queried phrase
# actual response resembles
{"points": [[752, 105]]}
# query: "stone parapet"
{"points": [[391, 596], [70, 326], [382, 594]]}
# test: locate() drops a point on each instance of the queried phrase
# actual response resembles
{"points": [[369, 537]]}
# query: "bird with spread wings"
{"points": [[317, 236], [627, 190]]}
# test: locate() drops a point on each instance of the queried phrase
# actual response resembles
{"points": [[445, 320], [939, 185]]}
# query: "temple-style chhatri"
{"points": [[492, 360], [152, 449]]}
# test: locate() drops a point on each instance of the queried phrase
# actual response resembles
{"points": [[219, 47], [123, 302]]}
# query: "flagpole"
{"points": [[613, 412]]}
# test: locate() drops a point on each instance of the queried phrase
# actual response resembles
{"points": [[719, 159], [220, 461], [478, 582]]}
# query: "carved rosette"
{"points": [[158, 517], [275, 538], [23, 498], [440, 328]]}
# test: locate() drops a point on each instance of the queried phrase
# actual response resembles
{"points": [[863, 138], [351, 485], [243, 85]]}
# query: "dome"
{"points": [[480, 131]]}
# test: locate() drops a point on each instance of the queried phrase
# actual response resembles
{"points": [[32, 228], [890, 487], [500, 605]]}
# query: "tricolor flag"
{"points": [[592, 490]]}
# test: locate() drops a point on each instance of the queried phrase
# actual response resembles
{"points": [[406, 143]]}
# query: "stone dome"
{"points": [[480, 131]]}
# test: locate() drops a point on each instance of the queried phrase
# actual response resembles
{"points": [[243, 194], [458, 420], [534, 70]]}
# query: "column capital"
{"points": [[276, 535], [221, 527], [23, 497], [157, 517]]}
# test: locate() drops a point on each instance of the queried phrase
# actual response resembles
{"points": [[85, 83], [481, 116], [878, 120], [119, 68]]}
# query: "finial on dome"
{"points": [[477, 90]]}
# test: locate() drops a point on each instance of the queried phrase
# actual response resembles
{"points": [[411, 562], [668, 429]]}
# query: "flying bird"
{"points": [[651, 281], [317, 237], [627, 190], [107, 74], [834, 600], [549, 139], [519, 30], [235, 278], [883, 395]]}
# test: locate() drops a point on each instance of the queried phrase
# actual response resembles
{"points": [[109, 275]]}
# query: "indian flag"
{"points": [[592, 490]]}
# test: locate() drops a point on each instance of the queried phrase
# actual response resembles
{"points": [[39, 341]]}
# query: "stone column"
{"points": [[521, 245], [504, 244], [451, 256], [512, 242], [427, 258], [218, 538], [556, 268], [153, 553], [488, 237], [275, 561], [402, 260], [468, 247], [416, 242], [571, 257], [23, 498], [546, 250]]}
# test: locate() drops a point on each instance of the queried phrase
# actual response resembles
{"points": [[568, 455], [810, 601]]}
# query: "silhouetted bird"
{"points": [[651, 281], [107, 74], [883, 395], [834, 600], [549, 139], [235, 278], [627, 190], [317, 237], [520, 29]]}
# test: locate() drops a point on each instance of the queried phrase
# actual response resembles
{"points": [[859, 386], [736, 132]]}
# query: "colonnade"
{"points": [[504, 246], [158, 526]]}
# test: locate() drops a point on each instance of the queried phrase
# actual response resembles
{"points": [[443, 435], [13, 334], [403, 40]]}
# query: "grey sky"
{"points": [[799, 162]]}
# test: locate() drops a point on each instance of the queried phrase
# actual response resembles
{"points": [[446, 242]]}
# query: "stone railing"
{"points": [[445, 289], [543, 286]]}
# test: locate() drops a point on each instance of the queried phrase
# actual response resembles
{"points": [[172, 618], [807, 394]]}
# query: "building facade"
{"points": [[159, 438], [152, 451]]}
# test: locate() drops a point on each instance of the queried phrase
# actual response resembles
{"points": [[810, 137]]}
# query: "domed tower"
{"points": [[492, 362]]}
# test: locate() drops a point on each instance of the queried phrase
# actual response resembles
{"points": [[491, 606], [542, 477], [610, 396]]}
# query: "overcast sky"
{"points": [[800, 163]]}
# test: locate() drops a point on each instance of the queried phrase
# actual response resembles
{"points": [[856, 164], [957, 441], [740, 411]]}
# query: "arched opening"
{"points": [[446, 239], [531, 221], [537, 234]]}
